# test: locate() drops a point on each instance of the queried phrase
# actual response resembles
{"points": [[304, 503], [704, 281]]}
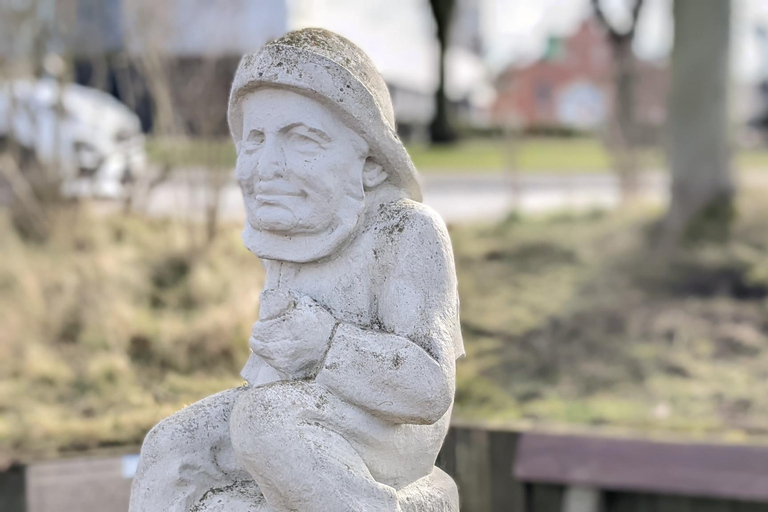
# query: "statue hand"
{"points": [[276, 302], [295, 342]]}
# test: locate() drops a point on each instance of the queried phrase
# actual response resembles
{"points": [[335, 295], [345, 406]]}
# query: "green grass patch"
{"points": [[527, 155], [756, 159], [480, 155], [211, 153]]}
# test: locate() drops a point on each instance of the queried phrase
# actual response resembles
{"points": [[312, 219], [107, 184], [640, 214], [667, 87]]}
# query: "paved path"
{"points": [[457, 198], [466, 198]]}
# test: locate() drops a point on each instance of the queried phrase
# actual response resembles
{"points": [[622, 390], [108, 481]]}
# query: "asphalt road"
{"points": [[467, 198], [459, 198]]}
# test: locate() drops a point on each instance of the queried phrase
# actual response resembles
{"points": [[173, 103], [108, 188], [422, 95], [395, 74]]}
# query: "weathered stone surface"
{"points": [[352, 373], [433, 493]]}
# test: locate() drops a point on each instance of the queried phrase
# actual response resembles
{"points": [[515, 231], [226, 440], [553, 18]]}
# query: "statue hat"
{"points": [[331, 69]]}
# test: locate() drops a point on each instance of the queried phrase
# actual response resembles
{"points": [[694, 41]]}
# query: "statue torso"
{"points": [[342, 284]]}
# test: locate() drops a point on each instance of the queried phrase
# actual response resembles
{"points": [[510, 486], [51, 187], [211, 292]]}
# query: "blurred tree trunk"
{"points": [[623, 135], [440, 130], [699, 150], [154, 66], [148, 25]]}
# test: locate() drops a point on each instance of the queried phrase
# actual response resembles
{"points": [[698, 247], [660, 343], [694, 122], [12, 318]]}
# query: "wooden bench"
{"points": [[506, 471], [725, 472]]}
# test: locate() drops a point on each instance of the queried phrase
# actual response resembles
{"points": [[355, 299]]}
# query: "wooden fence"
{"points": [[495, 470]]}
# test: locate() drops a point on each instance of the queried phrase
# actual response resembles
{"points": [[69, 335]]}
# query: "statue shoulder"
{"points": [[411, 226]]}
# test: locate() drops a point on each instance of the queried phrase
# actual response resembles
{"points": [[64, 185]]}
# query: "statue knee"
{"points": [[155, 444], [263, 415], [167, 448], [189, 432]]}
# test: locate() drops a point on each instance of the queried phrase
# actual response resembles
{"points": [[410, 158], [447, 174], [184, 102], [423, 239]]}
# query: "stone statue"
{"points": [[352, 373]]}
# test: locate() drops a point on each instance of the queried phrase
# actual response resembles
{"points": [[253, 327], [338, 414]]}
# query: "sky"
{"points": [[399, 34]]}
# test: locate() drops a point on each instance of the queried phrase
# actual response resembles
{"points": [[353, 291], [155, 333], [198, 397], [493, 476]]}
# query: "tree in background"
{"points": [[699, 150], [149, 30], [27, 29], [440, 130], [624, 133]]}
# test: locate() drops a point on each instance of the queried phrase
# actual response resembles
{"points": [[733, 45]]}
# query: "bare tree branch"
{"points": [[613, 32], [22, 192], [622, 134]]}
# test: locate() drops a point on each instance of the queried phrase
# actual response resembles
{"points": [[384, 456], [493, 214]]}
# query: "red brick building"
{"points": [[572, 85]]}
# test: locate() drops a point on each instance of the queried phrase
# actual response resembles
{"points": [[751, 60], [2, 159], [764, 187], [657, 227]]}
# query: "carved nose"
{"points": [[272, 162]]}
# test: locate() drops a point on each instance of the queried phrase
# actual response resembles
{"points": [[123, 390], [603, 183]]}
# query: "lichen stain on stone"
{"points": [[395, 217], [220, 495]]}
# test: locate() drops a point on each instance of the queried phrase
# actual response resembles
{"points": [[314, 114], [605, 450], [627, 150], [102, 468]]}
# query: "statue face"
{"points": [[299, 166]]}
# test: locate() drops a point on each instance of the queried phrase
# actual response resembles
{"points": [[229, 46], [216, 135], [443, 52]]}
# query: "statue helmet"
{"points": [[331, 69]]}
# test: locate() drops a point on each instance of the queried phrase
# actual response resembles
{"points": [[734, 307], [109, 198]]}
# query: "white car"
{"points": [[95, 140]]}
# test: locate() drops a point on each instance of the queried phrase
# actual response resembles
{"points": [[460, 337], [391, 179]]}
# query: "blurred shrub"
{"points": [[111, 325]]}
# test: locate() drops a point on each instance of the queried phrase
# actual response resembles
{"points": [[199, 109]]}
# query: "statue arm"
{"points": [[403, 370]]}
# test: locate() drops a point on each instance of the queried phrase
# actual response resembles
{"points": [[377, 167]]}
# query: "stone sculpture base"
{"points": [[434, 493]]}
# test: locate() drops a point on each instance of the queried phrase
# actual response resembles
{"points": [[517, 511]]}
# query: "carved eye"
{"points": [[304, 141], [253, 141]]}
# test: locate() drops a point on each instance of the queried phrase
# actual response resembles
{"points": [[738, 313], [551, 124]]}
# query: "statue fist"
{"points": [[293, 334]]}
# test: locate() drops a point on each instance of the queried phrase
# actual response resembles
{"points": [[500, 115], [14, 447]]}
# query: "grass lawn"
{"points": [[569, 323], [192, 152], [533, 155], [530, 155]]}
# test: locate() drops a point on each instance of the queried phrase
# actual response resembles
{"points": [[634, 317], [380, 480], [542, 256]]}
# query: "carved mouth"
{"points": [[276, 198], [274, 193]]}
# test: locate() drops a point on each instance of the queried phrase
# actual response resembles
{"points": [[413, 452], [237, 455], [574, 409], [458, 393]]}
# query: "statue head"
{"points": [[313, 124]]}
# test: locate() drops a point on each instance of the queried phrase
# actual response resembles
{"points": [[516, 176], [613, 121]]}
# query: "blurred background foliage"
{"points": [[113, 324]]}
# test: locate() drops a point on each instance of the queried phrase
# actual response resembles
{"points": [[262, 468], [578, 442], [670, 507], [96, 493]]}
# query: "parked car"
{"points": [[94, 140]]}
